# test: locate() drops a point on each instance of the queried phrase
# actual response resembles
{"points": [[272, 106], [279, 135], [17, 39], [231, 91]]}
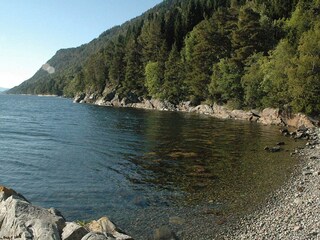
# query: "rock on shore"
{"points": [[21, 220], [268, 116]]}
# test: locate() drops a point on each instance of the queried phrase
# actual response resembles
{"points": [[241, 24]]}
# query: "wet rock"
{"points": [[253, 119], [285, 132], [273, 149], [179, 154]]}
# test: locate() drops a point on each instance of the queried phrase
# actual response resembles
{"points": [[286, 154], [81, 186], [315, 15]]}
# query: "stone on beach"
{"points": [[21, 220]]}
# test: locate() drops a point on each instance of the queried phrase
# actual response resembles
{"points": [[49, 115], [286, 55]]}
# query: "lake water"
{"points": [[143, 169]]}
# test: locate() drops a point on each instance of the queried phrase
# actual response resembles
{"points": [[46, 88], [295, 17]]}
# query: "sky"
{"points": [[31, 31]]}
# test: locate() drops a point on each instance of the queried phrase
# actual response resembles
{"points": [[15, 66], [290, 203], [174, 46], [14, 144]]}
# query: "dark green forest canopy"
{"points": [[246, 54]]}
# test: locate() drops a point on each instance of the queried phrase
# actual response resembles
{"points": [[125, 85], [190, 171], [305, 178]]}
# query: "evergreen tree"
{"points": [[252, 80], [304, 78], [153, 81], [117, 63], [249, 37], [134, 72], [225, 85], [173, 87], [151, 40], [205, 45], [275, 81]]}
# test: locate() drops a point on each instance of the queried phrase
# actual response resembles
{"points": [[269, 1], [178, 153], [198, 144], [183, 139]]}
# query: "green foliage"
{"points": [[252, 80], [249, 36], [153, 79], [304, 77], [275, 80], [205, 45], [117, 64], [173, 88], [134, 72], [226, 82], [242, 53]]}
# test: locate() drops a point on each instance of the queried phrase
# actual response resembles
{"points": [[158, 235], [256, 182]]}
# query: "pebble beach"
{"points": [[293, 212]]}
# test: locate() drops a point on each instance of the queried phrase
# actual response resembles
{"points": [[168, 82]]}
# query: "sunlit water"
{"points": [[144, 169]]}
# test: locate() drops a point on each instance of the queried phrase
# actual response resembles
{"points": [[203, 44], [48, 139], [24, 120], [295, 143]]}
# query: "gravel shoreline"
{"points": [[293, 212]]}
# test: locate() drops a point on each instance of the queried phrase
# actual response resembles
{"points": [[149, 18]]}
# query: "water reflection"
{"points": [[206, 159]]}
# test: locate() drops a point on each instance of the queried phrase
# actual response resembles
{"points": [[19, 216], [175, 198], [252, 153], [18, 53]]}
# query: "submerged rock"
{"points": [[273, 149], [164, 233]]}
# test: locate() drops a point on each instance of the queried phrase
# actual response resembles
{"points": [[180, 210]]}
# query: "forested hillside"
{"points": [[246, 54]]}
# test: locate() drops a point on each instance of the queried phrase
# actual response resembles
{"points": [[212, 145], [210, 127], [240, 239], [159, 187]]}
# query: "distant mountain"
{"points": [[3, 89]]}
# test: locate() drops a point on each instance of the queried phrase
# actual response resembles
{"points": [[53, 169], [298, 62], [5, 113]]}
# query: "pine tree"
{"points": [[117, 63], [204, 46], [153, 81], [134, 72], [249, 36], [151, 40], [173, 86], [304, 78]]}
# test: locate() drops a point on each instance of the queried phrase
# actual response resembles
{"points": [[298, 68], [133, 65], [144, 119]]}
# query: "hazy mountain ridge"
{"points": [[3, 89]]}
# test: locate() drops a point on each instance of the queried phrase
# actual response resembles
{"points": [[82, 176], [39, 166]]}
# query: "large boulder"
{"points": [[162, 105], [21, 220], [220, 111], [96, 236], [73, 231], [299, 120], [105, 226], [79, 97], [271, 116], [241, 115], [144, 104], [202, 109], [184, 106]]}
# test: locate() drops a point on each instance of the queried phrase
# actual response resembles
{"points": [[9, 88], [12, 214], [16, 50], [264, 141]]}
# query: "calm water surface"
{"points": [[144, 169]]}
